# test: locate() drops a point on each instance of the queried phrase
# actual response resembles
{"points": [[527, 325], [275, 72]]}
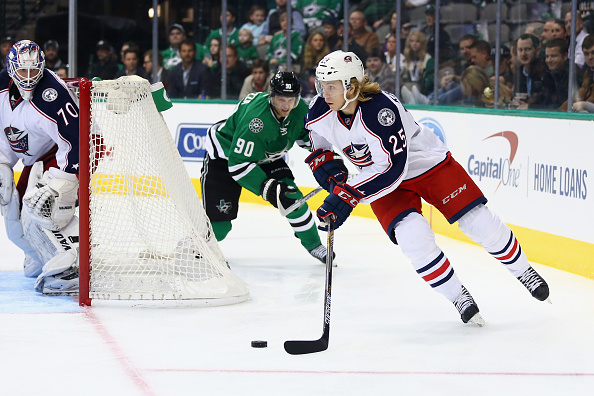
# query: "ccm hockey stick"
{"points": [[303, 347], [298, 203]]}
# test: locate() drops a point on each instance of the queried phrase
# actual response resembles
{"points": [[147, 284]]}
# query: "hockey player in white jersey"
{"points": [[401, 162], [39, 118]]}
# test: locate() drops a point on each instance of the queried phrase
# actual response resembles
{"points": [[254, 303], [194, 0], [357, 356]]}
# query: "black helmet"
{"points": [[285, 84]]}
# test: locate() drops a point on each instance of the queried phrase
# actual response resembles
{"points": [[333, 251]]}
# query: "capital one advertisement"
{"points": [[537, 173]]}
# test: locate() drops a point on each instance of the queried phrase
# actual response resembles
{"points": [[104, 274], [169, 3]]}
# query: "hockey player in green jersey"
{"points": [[247, 150]]}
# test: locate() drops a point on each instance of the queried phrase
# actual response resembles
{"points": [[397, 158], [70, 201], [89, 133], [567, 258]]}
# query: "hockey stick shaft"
{"points": [[304, 347], [298, 203]]}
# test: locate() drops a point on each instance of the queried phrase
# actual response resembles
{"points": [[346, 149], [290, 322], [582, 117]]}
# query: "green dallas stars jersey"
{"points": [[253, 136]]}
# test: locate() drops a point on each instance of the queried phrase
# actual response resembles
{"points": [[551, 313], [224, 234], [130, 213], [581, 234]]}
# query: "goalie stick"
{"points": [[298, 203], [303, 347]]}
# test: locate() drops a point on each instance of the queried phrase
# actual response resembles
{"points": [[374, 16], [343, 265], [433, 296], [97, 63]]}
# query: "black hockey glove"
{"points": [[327, 169], [274, 190], [338, 205]]}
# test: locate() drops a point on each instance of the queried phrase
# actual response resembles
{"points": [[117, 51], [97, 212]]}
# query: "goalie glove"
{"points": [[274, 191], [53, 200], [327, 169], [6, 184], [338, 205]]}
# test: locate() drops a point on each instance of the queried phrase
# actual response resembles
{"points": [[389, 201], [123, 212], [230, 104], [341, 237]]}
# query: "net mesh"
{"points": [[150, 238]]}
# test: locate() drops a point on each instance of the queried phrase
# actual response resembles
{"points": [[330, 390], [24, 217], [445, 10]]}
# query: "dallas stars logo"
{"points": [[224, 207], [256, 125]]}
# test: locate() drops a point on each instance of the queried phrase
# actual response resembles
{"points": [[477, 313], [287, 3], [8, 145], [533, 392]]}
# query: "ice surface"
{"points": [[390, 333]]}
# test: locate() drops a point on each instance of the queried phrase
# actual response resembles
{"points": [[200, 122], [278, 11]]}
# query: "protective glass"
{"points": [[329, 89]]}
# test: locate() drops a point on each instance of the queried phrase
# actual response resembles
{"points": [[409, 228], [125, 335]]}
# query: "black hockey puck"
{"points": [[259, 344]]}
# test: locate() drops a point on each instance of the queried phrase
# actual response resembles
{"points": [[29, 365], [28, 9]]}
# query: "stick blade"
{"points": [[304, 347]]}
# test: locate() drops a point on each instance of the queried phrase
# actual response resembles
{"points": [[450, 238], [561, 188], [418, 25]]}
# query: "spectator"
{"points": [[131, 66], [277, 50], [237, 71], [416, 66], [474, 81], [480, 55], [552, 29], [258, 80], [246, 50], [316, 11], [315, 49], [257, 16], [558, 64], [580, 35], [365, 38], [214, 55], [232, 32], [330, 25], [584, 99], [52, 60], [162, 73], [171, 57], [385, 30], [62, 72], [446, 51], [5, 46], [586, 10], [506, 68], [188, 80], [390, 53], [464, 59], [128, 45], [535, 84], [379, 72], [272, 24], [353, 45], [104, 66]]}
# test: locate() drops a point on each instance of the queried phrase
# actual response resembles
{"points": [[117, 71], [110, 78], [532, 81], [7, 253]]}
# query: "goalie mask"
{"points": [[285, 92], [25, 63], [339, 66]]}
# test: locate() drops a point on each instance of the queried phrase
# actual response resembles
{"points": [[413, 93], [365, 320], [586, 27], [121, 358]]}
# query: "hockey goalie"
{"points": [[39, 117]]}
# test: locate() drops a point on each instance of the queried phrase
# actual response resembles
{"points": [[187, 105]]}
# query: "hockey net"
{"points": [[144, 234]]}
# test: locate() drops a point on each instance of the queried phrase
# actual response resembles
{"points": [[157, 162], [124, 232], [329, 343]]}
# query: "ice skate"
{"points": [[320, 253], [535, 284], [469, 311]]}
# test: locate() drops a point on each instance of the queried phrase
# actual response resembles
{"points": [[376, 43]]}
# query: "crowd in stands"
{"points": [[533, 70]]}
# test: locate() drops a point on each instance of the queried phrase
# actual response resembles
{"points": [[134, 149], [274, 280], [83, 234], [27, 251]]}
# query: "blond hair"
{"points": [[408, 53], [365, 88]]}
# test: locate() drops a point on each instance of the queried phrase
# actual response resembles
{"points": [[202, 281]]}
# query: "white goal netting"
{"points": [[149, 236]]}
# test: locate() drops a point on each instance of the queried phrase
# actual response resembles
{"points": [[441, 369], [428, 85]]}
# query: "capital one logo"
{"points": [[190, 141]]}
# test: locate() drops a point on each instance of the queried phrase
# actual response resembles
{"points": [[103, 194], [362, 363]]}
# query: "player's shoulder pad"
{"points": [[381, 112], [51, 94], [317, 108], [252, 112], [4, 79]]}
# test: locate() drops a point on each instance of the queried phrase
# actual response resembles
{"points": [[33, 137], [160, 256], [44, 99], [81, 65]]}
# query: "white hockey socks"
{"points": [[417, 241], [485, 228]]}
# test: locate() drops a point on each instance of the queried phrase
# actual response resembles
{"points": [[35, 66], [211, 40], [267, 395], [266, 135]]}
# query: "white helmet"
{"points": [[342, 66], [25, 63]]}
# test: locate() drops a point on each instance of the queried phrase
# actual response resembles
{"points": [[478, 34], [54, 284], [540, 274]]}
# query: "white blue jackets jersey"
{"points": [[384, 142], [32, 128]]}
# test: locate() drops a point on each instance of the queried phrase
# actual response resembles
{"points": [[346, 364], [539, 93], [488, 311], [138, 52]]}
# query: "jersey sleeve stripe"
{"points": [[318, 119], [240, 170]]}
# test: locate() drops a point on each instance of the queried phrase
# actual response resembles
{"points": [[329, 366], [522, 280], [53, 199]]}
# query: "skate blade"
{"points": [[59, 293], [478, 320]]}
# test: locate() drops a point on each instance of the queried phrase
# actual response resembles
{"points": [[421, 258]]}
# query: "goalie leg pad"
{"points": [[6, 184], [32, 267], [14, 229]]}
